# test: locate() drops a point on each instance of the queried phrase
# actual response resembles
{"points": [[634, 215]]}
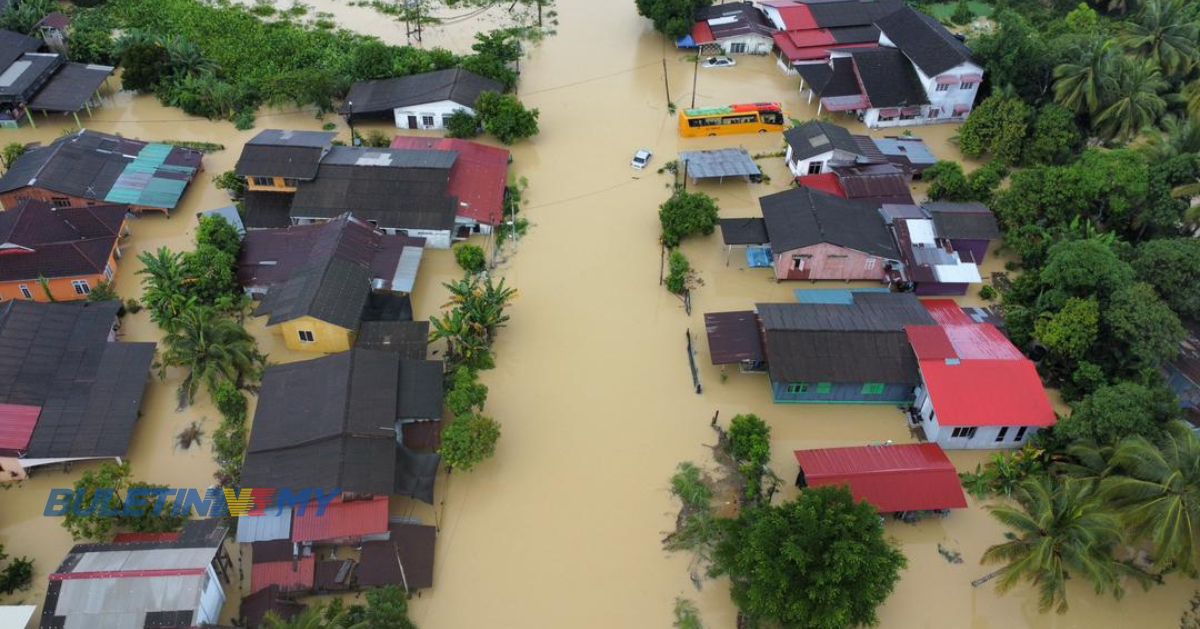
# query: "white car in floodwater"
{"points": [[719, 62], [640, 159]]}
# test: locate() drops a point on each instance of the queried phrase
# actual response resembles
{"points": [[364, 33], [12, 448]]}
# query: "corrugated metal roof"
{"points": [[987, 393], [103, 599], [341, 520], [265, 528], [719, 163], [946, 311], [733, 337], [903, 477], [289, 576], [406, 270], [17, 422], [154, 559]]}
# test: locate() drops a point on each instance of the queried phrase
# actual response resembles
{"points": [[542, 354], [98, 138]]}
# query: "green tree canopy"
{"points": [[506, 118], [685, 214], [1070, 333], [212, 349], [1085, 268], [946, 181], [1120, 410], [1143, 330], [469, 440], [1172, 267], [821, 561], [672, 18], [1056, 137], [998, 126]]}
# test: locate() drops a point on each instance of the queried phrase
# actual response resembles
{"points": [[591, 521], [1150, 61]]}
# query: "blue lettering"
{"points": [[298, 501], [192, 500], [136, 501], [58, 503], [160, 500], [323, 500], [219, 508], [104, 503]]}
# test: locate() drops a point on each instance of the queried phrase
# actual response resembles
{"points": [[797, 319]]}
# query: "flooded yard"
{"points": [[563, 527]]}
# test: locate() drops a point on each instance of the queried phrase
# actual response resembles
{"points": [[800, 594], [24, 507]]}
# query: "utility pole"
{"points": [[695, 73]]}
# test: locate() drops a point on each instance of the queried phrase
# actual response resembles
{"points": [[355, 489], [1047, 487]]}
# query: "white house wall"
{"points": [[985, 436], [439, 110], [212, 599], [755, 44], [800, 168], [947, 100]]}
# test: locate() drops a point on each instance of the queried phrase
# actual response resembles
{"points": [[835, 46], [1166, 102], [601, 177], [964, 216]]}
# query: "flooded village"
{"points": [[604, 381]]}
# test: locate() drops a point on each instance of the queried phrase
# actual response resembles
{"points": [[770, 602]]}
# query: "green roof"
{"points": [[708, 111]]}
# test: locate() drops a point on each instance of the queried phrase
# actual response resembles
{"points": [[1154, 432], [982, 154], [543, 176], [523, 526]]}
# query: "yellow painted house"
{"points": [[316, 281]]}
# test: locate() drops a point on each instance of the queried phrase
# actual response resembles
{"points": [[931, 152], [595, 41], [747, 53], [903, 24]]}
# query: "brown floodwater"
{"points": [[563, 527]]}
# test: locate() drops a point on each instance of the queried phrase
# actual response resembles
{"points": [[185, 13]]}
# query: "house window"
{"points": [[264, 181], [814, 168], [60, 201], [966, 86], [290, 182], [81, 287], [797, 387], [427, 120], [933, 112], [737, 48], [943, 87], [1000, 435], [108, 272], [306, 336], [824, 387], [872, 388], [24, 288], [962, 433], [1020, 433]]}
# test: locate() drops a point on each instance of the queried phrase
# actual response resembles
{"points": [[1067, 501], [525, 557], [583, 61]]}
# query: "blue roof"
{"points": [[832, 296], [685, 42], [914, 149]]}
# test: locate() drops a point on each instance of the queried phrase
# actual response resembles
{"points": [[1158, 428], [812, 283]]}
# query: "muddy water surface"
{"points": [[563, 527]]}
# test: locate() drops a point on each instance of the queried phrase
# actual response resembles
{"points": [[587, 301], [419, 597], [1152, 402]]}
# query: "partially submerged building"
{"points": [[418, 101], [893, 478], [68, 390], [317, 281], [977, 390], [848, 347], [817, 147], [931, 263], [92, 168], [338, 422], [45, 82], [809, 32], [175, 581], [59, 254], [719, 165], [734, 28], [970, 227], [478, 180]]}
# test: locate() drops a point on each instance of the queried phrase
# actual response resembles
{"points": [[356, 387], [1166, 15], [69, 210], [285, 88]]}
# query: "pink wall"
{"points": [[830, 262]]}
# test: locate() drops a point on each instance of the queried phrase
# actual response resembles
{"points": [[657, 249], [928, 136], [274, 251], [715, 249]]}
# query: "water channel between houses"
{"points": [[563, 527]]}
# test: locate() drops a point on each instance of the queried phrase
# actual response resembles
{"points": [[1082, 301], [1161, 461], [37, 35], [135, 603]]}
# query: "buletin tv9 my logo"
{"points": [[205, 503]]}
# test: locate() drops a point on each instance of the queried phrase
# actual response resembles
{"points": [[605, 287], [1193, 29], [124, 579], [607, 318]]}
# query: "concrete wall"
{"points": [[212, 599], [754, 44], [829, 262], [841, 393], [327, 338], [439, 110]]}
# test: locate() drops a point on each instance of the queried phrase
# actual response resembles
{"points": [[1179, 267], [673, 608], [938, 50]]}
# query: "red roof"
{"points": [[341, 520], [827, 182], [702, 34], [987, 393], [795, 16], [946, 311], [814, 37], [904, 477], [288, 575], [478, 178], [973, 341], [17, 422]]}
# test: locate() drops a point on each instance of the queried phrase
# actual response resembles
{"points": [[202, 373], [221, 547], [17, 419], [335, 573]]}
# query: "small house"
{"points": [[893, 478], [169, 580], [818, 236], [59, 254], [418, 101], [316, 281], [846, 347], [90, 168], [276, 160], [919, 73], [405, 192], [735, 28], [68, 390], [45, 82], [977, 390], [816, 146], [53, 29], [969, 227], [337, 421], [478, 180], [932, 265]]}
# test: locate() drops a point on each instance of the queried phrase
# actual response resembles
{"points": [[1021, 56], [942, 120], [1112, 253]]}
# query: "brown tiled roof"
{"points": [[41, 240]]}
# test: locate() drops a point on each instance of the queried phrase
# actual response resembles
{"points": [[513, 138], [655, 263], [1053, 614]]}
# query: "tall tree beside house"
{"points": [[998, 127], [12, 151], [163, 277], [1167, 33], [504, 117], [1157, 492], [1058, 533], [1082, 84], [211, 349], [98, 522], [1114, 412], [673, 18], [820, 561], [1172, 267]]}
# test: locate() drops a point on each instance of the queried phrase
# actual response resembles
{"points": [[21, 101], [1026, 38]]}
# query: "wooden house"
{"points": [[59, 254]]}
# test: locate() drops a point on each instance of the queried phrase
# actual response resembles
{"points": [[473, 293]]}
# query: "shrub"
{"points": [[987, 292], [946, 181], [504, 117], [679, 272], [470, 257], [11, 153], [17, 575], [467, 394], [687, 213], [962, 13], [469, 440], [461, 124], [230, 182]]}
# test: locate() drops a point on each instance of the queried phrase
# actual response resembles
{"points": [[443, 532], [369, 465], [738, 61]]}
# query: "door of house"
{"points": [[412, 122]]}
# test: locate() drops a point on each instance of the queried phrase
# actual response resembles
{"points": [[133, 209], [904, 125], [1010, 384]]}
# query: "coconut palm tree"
{"points": [[1136, 103], [186, 58], [212, 349], [1081, 86], [1164, 32], [1191, 98], [1059, 531], [1157, 490], [1180, 136]]}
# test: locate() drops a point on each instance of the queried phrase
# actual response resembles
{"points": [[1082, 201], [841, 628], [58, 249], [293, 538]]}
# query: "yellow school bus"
{"points": [[750, 118]]}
